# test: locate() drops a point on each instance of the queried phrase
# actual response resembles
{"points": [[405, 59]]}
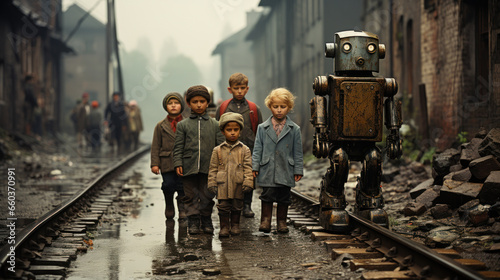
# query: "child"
{"points": [[195, 139], [162, 159], [94, 121], [238, 88], [277, 158], [230, 173]]}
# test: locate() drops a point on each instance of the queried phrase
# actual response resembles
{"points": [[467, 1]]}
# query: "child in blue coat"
{"points": [[277, 160]]}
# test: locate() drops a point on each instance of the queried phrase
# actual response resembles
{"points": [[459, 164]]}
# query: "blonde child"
{"points": [[230, 173], [277, 160]]}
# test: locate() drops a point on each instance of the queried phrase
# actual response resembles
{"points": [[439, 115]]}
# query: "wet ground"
{"points": [[142, 246]]}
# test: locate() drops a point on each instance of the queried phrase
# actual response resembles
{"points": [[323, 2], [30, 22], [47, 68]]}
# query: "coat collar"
{"points": [[205, 116], [231, 146], [165, 125], [268, 126]]}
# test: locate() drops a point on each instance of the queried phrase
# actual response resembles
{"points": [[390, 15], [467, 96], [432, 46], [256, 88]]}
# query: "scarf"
{"points": [[174, 121], [278, 127]]}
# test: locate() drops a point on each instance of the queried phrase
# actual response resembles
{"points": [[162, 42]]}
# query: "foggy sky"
{"points": [[193, 28]]}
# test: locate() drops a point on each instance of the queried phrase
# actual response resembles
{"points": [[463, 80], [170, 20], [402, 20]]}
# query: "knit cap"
{"points": [[230, 117], [198, 90], [174, 95]]}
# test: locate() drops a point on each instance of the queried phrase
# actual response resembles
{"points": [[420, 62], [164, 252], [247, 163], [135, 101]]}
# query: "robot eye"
{"points": [[346, 47], [371, 48]]}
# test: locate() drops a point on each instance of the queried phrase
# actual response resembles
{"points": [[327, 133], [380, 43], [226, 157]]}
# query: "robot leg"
{"points": [[369, 200], [333, 216]]}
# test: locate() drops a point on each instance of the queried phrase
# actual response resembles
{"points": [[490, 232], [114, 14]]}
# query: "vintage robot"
{"points": [[348, 125]]}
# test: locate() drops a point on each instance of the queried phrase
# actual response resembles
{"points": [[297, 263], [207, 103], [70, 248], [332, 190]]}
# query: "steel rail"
{"points": [[425, 262], [25, 234]]}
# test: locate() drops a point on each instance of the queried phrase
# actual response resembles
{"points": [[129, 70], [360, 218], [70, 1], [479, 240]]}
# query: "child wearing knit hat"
{"points": [[230, 173], [162, 156], [195, 139]]}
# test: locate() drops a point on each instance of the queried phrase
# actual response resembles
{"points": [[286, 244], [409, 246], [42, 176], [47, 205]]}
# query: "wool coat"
{"points": [[162, 147], [277, 159], [195, 139], [230, 170]]}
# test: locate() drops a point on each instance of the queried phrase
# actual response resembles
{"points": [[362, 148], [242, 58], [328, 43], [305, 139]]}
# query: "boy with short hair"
{"points": [[252, 117], [230, 173], [195, 139]]}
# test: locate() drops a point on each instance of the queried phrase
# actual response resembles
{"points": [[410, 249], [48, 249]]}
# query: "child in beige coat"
{"points": [[230, 173]]}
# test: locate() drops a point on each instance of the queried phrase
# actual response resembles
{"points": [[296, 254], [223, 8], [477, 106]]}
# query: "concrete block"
{"points": [[427, 198], [418, 190], [481, 167], [414, 209], [490, 192], [491, 144], [470, 151], [461, 175], [456, 193]]}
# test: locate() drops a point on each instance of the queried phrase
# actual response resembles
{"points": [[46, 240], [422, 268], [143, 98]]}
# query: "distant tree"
{"points": [[181, 73]]}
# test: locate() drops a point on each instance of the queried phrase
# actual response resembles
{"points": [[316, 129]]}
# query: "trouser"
{"points": [[280, 194], [226, 206], [197, 199]]}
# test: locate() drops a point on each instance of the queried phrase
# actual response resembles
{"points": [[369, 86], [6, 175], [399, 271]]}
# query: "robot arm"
{"points": [[319, 117], [393, 121]]}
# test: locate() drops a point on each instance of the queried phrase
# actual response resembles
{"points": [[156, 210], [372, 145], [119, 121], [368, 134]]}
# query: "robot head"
{"points": [[355, 51]]}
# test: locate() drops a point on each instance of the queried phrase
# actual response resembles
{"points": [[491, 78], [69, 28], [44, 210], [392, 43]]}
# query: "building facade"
{"points": [[236, 56], [85, 69], [445, 59], [32, 46], [288, 44]]}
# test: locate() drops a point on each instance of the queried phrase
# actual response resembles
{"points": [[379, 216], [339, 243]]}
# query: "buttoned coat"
{"points": [[277, 159], [162, 147], [195, 138], [230, 170]]}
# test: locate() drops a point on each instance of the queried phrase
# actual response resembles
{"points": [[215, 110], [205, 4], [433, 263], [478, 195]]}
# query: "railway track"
{"points": [[64, 228], [382, 254]]}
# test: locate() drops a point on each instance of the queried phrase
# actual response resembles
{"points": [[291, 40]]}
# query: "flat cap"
{"points": [[230, 117]]}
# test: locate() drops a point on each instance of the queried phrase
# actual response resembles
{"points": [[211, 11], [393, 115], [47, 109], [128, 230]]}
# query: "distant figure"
{"points": [[187, 111], [73, 116], [94, 126], [30, 103], [212, 108], [82, 111], [134, 123], [116, 120]]}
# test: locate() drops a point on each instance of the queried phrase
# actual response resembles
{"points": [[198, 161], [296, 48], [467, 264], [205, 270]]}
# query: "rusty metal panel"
{"points": [[356, 109]]}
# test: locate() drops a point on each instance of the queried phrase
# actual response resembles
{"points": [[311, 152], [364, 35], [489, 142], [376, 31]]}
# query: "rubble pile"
{"points": [[459, 206]]}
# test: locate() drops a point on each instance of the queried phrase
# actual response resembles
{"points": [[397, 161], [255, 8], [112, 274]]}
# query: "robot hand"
{"points": [[320, 145], [394, 144]]}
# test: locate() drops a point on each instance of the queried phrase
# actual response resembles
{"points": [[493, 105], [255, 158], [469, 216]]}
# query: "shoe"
{"points": [[235, 222], [194, 224], [206, 224], [224, 225], [247, 211], [281, 214], [265, 218]]}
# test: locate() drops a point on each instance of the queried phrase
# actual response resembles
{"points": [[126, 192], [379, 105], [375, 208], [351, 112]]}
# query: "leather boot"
{"points": [[206, 224], [194, 224], [265, 217], [281, 214], [235, 222], [224, 225], [182, 212], [247, 211], [169, 206]]}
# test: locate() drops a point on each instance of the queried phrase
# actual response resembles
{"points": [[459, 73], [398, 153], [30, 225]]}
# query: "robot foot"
{"points": [[378, 216], [334, 220]]}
